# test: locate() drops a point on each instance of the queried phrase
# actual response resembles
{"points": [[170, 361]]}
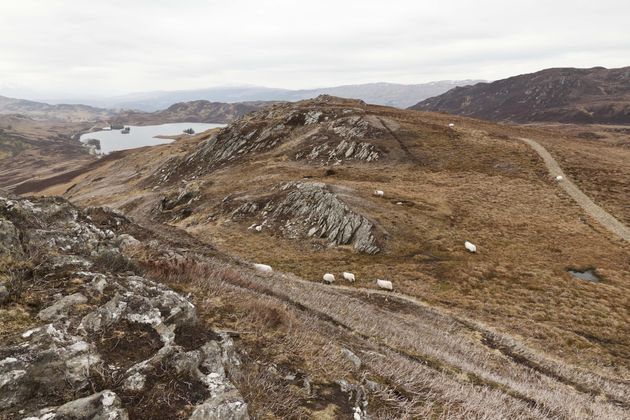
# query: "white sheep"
{"points": [[258, 228], [451, 125], [379, 193], [263, 268], [384, 284], [348, 276], [329, 278], [470, 247], [559, 178]]}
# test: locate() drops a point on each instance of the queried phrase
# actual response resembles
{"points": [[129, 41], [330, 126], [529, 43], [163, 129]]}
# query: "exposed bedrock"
{"points": [[306, 209]]}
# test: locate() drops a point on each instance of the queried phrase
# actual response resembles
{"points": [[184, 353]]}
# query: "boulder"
{"points": [[104, 405]]}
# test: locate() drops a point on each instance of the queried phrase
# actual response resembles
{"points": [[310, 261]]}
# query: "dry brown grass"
{"points": [[600, 166], [479, 184], [527, 230], [427, 362]]}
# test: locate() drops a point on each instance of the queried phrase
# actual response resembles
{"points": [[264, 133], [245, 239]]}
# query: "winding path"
{"points": [[598, 213]]}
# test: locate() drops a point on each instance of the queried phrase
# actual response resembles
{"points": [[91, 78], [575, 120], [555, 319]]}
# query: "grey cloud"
{"points": [[78, 47]]}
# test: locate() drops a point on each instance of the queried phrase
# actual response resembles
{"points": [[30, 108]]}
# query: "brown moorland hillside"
{"points": [[293, 186], [31, 148], [59, 113], [569, 95]]}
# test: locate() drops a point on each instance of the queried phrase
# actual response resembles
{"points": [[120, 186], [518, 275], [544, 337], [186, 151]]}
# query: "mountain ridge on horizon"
{"points": [[380, 93], [559, 94]]}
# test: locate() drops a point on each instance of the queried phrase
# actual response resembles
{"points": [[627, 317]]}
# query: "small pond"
{"points": [[588, 275]]}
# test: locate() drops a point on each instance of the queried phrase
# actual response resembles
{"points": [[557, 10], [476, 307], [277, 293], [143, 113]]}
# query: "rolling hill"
{"points": [[568, 95], [193, 111], [59, 112]]}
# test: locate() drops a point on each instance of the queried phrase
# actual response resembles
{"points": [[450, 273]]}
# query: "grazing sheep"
{"points": [[348, 276], [329, 278], [384, 284], [559, 178], [470, 247], [258, 228], [379, 193], [263, 268], [451, 125]]}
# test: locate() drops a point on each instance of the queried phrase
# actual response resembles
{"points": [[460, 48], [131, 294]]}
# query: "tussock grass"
{"points": [[427, 363]]}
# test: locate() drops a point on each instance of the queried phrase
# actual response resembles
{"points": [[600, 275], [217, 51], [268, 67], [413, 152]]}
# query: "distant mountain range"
{"points": [[390, 94], [59, 112], [193, 111], [569, 95]]}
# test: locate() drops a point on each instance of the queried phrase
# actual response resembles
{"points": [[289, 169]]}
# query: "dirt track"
{"points": [[595, 211]]}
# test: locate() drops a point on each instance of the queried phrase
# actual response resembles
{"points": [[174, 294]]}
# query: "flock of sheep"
{"points": [[383, 284], [329, 278]]}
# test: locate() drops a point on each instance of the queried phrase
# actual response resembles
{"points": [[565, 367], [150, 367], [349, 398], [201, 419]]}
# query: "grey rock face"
{"points": [[103, 405], [8, 236], [99, 328], [345, 150], [125, 241], [53, 224], [305, 209], [61, 307], [353, 358]]}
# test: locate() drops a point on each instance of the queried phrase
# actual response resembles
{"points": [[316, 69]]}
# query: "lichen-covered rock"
{"points": [[307, 209], [344, 150], [126, 241], [103, 338], [8, 236], [103, 405], [177, 206], [60, 308]]}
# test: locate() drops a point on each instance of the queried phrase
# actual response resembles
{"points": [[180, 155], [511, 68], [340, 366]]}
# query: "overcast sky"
{"points": [[67, 48]]}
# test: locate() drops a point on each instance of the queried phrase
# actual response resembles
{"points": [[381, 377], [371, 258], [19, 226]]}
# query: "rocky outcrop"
{"points": [[324, 130], [103, 341], [179, 206], [306, 209], [345, 150]]}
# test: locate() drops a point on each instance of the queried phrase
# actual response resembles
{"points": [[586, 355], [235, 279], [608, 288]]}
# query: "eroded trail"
{"points": [[589, 206]]}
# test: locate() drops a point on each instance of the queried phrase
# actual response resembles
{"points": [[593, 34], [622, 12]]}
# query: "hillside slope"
{"points": [[32, 148], [569, 95], [504, 330], [195, 111]]}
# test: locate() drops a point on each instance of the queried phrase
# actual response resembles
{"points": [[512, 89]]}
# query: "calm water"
{"points": [[140, 136], [588, 275]]}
